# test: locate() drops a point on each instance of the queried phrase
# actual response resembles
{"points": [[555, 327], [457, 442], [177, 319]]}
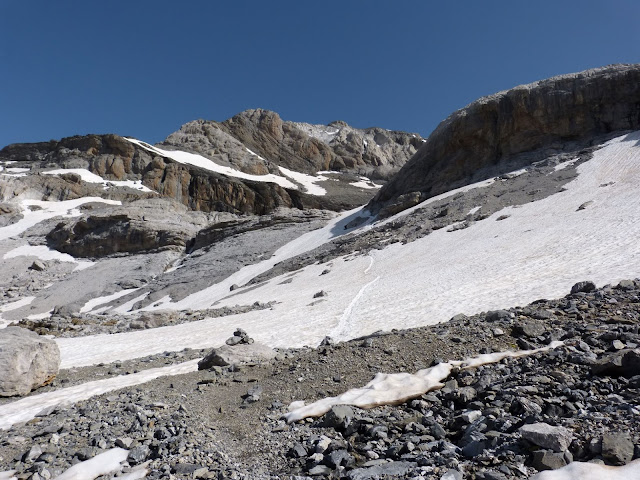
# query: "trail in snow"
{"points": [[27, 408], [344, 328]]}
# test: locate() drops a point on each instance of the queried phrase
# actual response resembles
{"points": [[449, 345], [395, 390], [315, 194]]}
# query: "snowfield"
{"points": [[539, 251]]}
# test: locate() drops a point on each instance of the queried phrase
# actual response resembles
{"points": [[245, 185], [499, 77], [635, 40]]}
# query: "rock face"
{"points": [[140, 226], [498, 133], [27, 361], [254, 140]]}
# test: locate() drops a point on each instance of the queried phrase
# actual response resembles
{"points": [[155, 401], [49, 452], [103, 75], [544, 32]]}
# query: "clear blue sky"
{"points": [[143, 68]]}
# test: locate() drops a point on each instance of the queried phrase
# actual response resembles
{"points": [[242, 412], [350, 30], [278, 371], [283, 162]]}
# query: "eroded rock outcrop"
{"points": [[140, 226], [498, 133]]}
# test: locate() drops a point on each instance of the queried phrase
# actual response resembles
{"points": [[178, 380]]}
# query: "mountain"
{"points": [[514, 226]]}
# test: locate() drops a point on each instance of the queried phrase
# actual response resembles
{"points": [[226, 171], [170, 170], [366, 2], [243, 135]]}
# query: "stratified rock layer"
{"points": [[494, 134]]}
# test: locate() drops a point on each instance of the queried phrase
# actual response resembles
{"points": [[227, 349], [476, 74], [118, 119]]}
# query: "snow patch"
{"points": [[95, 302], [101, 464], [36, 211], [591, 471], [396, 388], [309, 182]]}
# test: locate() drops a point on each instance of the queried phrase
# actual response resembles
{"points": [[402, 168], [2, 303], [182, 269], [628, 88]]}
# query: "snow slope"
{"points": [[540, 250]]}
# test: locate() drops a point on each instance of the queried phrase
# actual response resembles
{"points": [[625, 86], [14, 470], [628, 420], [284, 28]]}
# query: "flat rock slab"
{"points": [[27, 361], [236, 355]]}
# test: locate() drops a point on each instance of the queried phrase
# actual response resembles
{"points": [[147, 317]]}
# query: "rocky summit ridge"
{"points": [[169, 306]]}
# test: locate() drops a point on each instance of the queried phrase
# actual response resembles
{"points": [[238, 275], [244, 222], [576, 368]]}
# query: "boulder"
{"points": [[237, 355], [27, 361], [547, 436]]}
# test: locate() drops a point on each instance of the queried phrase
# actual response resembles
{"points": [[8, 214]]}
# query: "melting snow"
{"points": [[396, 388], [309, 182], [101, 464]]}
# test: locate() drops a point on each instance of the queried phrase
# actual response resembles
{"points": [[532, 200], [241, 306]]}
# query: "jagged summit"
{"points": [[373, 152]]}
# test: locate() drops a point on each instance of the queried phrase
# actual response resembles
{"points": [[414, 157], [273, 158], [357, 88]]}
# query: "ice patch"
{"points": [[7, 307], [396, 388], [365, 184], [591, 471], [27, 408]]}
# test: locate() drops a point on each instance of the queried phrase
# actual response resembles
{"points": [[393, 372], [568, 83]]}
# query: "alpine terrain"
{"points": [[259, 299]]}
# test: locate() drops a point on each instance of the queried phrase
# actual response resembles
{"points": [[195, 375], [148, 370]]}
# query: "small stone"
{"points": [[38, 266], [339, 417], [319, 470], [124, 442], [618, 345], [297, 451], [586, 287], [617, 448], [547, 460], [320, 294]]}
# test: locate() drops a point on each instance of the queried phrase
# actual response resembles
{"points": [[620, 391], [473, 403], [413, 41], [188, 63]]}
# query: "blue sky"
{"points": [[143, 68]]}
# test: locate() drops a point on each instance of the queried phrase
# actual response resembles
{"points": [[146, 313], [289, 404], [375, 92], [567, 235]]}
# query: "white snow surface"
{"points": [[44, 210], [90, 177], [7, 307], [102, 464], [540, 251], [396, 388], [591, 471], [45, 253], [27, 408], [202, 162]]}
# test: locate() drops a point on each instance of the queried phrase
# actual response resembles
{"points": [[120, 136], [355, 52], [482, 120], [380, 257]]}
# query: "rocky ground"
{"points": [[578, 402]]}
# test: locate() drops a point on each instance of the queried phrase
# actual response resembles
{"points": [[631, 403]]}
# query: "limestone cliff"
{"points": [[502, 132]]}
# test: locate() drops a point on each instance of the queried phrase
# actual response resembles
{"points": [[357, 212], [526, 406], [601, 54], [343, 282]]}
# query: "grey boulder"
{"points": [[27, 361], [241, 353], [547, 436]]}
